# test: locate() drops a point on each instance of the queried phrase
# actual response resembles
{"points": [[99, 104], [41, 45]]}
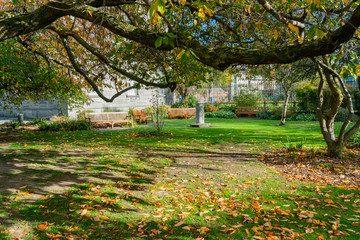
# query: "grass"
{"points": [[189, 184]]}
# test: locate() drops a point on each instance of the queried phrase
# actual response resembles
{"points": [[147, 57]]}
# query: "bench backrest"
{"points": [[182, 110], [108, 116], [251, 109], [137, 113]]}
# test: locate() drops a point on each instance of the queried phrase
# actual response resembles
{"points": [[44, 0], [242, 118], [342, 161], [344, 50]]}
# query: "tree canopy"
{"points": [[219, 33], [162, 43]]}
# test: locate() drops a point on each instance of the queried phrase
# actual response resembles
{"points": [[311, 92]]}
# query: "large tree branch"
{"points": [[86, 77], [217, 57], [108, 62]]}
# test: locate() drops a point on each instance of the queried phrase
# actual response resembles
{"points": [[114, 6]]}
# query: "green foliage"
{"points": [[220, 114], [303, 117], [306, 96], [264, 115], [210, 108], [292, 147], [23, 77], [81, 114], [112, 110], [356, 100], [277, 111], [38, 121], [354, 141], [52, 126], [341, 115], [227, 107], [65, 124], [247, 99], [131, 109], [14, 124], [189, 102]]}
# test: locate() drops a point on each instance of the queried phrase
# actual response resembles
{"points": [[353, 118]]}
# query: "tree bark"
{"points": [[284, 110], [335, 149]]}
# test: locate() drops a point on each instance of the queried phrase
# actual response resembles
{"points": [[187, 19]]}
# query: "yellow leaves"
{"points": [[300, 39], [203, 230], [104, 217], [317, 2], [201, 13], [357, 70], [256, 229], [178, 57], [183, 2], [195, 22], [292, 27], [329, 201], [276, 35]]}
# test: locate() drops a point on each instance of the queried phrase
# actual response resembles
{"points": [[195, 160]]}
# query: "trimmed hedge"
{"points": [[220, 114]]}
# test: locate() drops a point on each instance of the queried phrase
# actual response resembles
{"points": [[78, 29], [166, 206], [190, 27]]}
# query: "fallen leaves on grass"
{"points": [[308, 166]]}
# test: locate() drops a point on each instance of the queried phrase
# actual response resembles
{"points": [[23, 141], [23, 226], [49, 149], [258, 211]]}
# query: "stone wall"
{"points": [[139, 99], [31, 110]]}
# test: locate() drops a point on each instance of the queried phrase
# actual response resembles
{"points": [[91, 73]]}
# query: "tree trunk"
{"points": [[284, 110], [335, 149]]}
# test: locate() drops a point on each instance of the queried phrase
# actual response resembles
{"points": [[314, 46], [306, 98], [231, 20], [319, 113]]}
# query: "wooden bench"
{"points": [[249, 110], [181, 112], [109, 118], [142, 115]]}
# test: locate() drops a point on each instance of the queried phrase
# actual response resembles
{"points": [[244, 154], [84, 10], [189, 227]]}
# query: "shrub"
{"points": [[163, 109], [303, 117], [356, 100], [306, 96], [341, 115], [210, 108], [247, 100], [82, 125], [264, 115], [14, 124], [354, 141], [38, 121], [53, 126], [69, 125], [227, 107], [220, 114], [81, 115], [189, 102]]}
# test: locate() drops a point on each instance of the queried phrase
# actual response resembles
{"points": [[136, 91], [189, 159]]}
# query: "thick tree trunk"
{"points": [[284, 110], [335, 149]]}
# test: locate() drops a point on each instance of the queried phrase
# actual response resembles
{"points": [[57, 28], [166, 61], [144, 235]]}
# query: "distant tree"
{"points": [[27, 76], [287, 76]]}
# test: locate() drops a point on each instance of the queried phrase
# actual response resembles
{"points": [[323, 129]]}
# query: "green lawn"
{"points": [[191, 183]]}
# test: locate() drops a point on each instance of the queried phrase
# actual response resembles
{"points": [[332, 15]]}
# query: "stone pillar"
{"points": [[200, 115], [21, 118]]}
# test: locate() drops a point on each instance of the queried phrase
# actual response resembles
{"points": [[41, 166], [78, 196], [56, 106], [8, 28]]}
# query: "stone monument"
{"points": [[200, 117]]}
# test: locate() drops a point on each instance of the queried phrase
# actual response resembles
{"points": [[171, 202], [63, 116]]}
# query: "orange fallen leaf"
{"points": [[42, 227]]}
